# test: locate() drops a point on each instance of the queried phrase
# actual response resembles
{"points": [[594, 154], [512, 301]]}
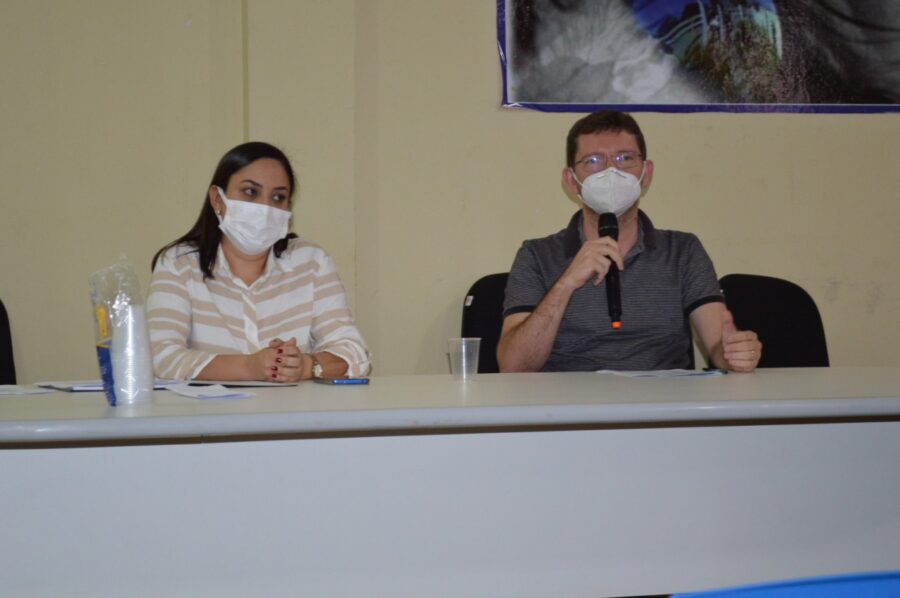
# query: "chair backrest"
{"points": [[7, 365], [482, 317], [782, 314]]}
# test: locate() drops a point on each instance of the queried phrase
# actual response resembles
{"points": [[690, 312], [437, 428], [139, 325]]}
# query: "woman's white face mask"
{"points": [[251, 227], [610, 190]]}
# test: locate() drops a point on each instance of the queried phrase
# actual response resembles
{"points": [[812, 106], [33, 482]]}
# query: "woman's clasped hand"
{"points": [[282, 361]]}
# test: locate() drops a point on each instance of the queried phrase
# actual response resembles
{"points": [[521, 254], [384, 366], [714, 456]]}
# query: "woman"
{"points": [[254, 303]]}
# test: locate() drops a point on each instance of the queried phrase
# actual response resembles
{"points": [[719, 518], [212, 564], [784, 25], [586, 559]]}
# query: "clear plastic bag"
{"points": [[123, 345]]}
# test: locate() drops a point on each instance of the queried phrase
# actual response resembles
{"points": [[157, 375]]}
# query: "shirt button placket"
{"points": [[251, 331]]}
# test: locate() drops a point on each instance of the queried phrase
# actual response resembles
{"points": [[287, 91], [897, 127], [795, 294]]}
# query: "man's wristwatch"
{"points": [[317, 370]]}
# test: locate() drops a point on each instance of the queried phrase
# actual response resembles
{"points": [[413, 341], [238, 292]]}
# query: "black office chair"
{"points": [[482, 317], [7, 365], [782, 314]]}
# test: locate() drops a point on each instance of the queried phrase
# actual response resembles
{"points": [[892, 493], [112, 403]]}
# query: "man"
{"points": [[555, 313]]}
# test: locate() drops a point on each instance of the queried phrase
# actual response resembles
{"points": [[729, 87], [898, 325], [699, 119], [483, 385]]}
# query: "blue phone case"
{"points": [[342, 381]]}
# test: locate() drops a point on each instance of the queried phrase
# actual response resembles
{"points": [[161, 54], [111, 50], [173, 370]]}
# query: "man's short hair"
{"points": [[600, 122]]}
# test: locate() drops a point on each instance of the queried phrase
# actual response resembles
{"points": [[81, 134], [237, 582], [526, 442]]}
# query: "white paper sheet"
{"points": [[214, 391], [18, 389], [90, 385], [664, 373]]}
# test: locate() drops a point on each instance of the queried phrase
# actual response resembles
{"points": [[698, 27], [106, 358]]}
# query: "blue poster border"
{"points": [[672, 108]]}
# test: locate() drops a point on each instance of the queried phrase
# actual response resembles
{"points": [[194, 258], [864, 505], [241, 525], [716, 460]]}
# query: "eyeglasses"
{"points": [[598, 162]]}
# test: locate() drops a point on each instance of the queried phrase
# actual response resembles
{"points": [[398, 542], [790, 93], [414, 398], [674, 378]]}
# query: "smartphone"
{"points": [[341, 381]]}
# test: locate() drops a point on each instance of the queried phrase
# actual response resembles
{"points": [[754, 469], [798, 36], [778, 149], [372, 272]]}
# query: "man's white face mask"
{"points": [[251, 227], [610, 190]]}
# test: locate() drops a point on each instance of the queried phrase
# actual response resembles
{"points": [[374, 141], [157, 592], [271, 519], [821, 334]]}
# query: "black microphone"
{"points": [[609, 227]]}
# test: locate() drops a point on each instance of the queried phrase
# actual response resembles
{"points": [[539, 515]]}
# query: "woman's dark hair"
{"points": [[205, 234]]}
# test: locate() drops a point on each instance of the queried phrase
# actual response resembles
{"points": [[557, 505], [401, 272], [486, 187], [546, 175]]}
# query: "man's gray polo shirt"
{"points": [[667, 275]]}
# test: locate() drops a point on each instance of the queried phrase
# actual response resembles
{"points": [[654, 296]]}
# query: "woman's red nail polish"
{"points": [[274, 368], [274, 375], [280, 351], [277, 360]]}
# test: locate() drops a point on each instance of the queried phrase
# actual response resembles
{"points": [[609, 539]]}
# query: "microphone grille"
{"points": [[609, 225]]}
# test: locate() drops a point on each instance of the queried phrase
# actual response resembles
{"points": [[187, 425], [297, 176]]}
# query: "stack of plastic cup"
{"points": [[132, 363]]}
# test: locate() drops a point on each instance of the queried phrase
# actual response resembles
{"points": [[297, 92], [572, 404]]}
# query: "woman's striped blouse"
{"points": [[191, 320]]}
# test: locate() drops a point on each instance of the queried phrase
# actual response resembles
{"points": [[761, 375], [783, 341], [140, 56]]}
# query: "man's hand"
{"points": [[527, 338], [741, 349], [593, 260]]}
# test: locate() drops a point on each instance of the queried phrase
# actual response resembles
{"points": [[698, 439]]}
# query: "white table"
{"points": [[513, 485]]}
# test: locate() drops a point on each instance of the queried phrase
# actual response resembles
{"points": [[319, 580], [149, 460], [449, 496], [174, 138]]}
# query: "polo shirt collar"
{"points": [[573, 237]]}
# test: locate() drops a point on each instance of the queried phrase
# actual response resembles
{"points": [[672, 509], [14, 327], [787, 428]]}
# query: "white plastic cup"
{"points": [[464, 357], [132, 363]]}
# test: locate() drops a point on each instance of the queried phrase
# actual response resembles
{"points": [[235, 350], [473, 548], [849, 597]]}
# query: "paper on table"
{"points": [[215, 391], [236, 383], [663, 373], [17, 389], [89, 385]]}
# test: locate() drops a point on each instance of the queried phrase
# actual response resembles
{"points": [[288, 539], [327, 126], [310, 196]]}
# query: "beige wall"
{"points": [[114, 114]]}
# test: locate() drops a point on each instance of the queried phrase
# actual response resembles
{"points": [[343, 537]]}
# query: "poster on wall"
{"points": [[701, 55]]}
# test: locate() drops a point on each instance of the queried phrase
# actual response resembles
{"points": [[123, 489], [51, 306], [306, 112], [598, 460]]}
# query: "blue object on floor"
{"points": [[875, 585]]}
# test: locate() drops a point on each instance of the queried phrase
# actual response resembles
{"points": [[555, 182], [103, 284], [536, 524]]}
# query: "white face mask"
{"points": [[251, 227], [610, 190]]}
